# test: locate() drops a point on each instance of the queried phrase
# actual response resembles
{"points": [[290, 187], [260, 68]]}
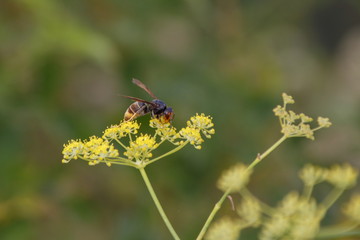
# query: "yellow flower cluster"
{"points": [[138, 148], [202, 123], [165, 131], [297, 125], [93, 150], [115, 132]]}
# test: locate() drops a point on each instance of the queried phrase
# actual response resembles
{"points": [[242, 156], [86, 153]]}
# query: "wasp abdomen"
{"points": [[135, 110]]}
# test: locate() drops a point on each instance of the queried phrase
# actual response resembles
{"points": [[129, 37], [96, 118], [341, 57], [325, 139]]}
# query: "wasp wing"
{"points": [[143, 86], [139, 100]]}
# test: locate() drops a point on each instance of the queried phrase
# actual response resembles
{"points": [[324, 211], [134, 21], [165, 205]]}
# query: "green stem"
{"points": [[168, 153], [219, 203], [332, 197], [118, 161], [212, 215], [157, 203], [338, 231], [120, 143], [308, 189], [267, 152]]}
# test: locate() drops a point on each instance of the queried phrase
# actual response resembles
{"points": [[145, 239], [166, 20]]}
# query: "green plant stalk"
{"points": [[219, 203], [345, 230], [332, 197], [168, 153], [267, 152], [212, 215], [308, 189], [157, 203]]}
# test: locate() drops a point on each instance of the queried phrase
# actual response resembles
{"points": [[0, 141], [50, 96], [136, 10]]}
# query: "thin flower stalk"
{"points": [[157, 204], [138, 153]]}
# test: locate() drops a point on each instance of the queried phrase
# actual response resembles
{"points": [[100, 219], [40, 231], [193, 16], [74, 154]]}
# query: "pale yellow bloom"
{"points": [[234, 178], [352, 209], [295, 218], [274, 228], [324, 122], [287, 99], [250, 212], [312, 175], [279, 111], [343, 176], [224, 229], [304, 118]]}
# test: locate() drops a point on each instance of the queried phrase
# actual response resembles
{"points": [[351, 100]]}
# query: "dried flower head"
{"points": [[288, 99], [297, 125], [225, 228], [342, 176], [324, 122], [234, 178]]}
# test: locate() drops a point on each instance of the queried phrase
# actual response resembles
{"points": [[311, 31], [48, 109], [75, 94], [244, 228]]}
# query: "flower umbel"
{"points": [[138, 149], [203, 123], [72, 150], [234, 179], [94, 150], [312, 175], [342, 176], [121, 130]]}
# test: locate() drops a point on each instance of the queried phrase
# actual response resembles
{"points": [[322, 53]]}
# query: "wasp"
{"points": [[140, 107]]}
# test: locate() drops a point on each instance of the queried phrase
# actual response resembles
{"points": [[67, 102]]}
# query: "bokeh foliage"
{"points": [[64, 63]]}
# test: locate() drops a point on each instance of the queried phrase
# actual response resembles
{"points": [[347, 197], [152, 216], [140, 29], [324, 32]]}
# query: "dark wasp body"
{"points": [[140, 107]]}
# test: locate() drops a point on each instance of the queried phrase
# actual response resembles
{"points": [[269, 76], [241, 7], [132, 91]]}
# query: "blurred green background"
{"points": [[63, 65]]}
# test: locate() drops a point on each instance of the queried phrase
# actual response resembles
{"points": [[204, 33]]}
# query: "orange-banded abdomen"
{"points": [[136, 109]]}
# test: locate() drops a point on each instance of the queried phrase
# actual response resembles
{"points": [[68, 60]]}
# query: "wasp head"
{"points": [[167, 116]]}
